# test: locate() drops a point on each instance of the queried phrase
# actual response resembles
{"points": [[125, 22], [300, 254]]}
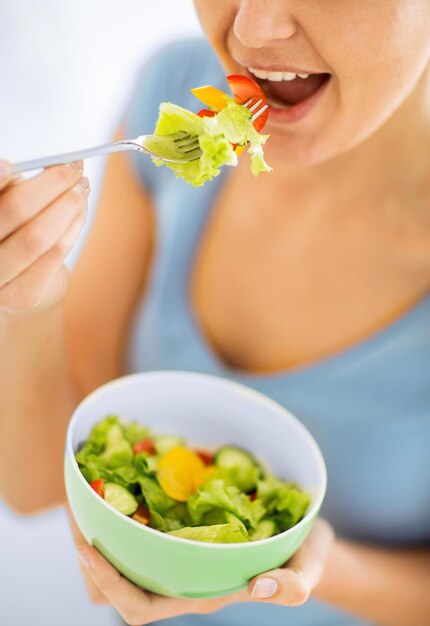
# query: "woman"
{"points": [[310, 283]]}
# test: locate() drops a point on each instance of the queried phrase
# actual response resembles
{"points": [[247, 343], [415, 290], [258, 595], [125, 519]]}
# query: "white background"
{"points": [[66, 70]]}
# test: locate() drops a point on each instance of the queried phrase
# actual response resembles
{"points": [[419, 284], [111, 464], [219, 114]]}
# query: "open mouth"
{"points": [[285, 90]]}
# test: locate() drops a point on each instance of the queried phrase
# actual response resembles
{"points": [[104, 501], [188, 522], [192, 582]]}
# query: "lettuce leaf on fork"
{"points": [[231, 125]]}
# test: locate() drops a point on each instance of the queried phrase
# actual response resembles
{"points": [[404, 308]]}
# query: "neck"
{"points": [[393, 161]]}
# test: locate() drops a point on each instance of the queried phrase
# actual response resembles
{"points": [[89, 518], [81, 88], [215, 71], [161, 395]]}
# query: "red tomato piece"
{"points": [[252, 496], [142, 515], [99, 487], [244, 88], [146, 445], [205, 456], [206, 113]]}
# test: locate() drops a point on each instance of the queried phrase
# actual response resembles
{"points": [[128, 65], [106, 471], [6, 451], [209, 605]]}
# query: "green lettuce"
{"points": [[145, 463], [218, 533], [106, 446], [219, 511], [90, 473], [234, 122], [125, 476], [118, 450], [244, 478], [154, 496], [97, 439], [134, 432], [99, 432], [118, 455], [176, 517], [284, 502], [265, 529], [215, 494], [232, 125], [219, 516], [216, 150]]}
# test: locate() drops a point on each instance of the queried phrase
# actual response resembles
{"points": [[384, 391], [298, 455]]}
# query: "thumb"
{"points": [[292, 584], [5, 173]]}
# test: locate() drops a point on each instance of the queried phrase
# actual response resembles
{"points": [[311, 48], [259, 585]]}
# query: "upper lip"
{"points": [[276, 67]]}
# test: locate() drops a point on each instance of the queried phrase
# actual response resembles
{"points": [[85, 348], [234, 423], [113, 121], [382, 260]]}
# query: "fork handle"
{"points": [[68, 157]]}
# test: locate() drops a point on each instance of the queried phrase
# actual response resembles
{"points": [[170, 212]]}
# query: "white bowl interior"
{"points": [[209, 412]]}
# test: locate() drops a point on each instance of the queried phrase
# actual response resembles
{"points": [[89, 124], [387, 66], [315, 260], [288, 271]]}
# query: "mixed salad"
{"points": [[224, 129], [224, 496]]}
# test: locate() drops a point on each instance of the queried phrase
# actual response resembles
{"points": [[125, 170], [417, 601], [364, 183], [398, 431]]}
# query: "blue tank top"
{"points": [[367, 406]]}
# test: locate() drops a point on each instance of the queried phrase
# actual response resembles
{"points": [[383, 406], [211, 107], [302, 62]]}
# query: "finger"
{"points": [[130, 601], [33, 285], [94, 592], [293, 584], [5, 174], [16, 179], [282, 586], [20, 202], [141, 607], [312, 557], [30, 242]]}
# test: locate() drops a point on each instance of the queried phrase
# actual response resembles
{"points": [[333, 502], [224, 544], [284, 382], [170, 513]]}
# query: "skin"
{"points": [[40, 221], [385, 586], [338, 197], [319, 36], [355, 173]]}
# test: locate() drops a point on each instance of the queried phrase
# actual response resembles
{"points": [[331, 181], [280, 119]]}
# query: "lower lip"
{"points": [[298, 111]]}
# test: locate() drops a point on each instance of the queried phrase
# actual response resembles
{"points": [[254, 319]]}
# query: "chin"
{"points": [[310, 150], [296, 151]]}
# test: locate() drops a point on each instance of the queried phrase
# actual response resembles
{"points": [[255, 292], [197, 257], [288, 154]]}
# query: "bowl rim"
{"points": [[261, 397]]}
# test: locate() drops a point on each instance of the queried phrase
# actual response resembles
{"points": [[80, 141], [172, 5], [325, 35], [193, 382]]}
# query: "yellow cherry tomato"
{"points": [[177, 471], [206, 474]]}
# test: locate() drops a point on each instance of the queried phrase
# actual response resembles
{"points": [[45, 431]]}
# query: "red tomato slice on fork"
{"points": [[243, 89]]}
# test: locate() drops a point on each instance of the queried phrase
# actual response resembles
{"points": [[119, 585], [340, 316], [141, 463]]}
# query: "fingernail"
{"points": [[5, 169], [83, 559], [78, 164], [264, 588], [84, 183]]}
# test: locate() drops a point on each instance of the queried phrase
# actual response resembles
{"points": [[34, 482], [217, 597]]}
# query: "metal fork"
{"points": [[179, 147]]}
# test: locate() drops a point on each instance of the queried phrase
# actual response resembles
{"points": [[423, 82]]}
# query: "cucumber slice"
{"points": [[114, 436], [121, 499], [232, 456], [242, 469], [164, 443], [265, 529]]}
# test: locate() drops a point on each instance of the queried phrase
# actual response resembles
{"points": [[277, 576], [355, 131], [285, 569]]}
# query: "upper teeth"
{"points": [[277, 76]]}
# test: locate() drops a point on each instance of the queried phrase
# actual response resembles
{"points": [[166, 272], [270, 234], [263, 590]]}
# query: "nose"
{"points": [[260, 23]]}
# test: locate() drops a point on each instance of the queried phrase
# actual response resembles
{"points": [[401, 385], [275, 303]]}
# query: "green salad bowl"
{"points": [[209, 412]]}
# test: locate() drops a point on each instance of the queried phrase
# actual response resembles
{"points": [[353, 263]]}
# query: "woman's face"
{"points": [[364, 57]]}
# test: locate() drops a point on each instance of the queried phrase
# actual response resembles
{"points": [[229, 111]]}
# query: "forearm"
{"points": [[386, 586], [36, 400]]}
